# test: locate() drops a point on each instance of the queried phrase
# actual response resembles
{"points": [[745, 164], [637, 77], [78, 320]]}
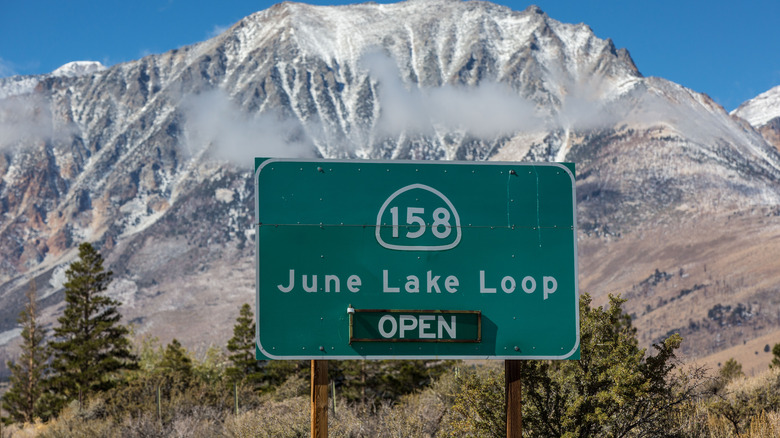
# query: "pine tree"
{"points": [[775, 357], [91, 347], [242, 348], [25, 400], [176, 362], [176, 374]]}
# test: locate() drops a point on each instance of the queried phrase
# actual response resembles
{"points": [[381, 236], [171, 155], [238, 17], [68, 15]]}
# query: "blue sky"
{"points": [[726, 49]]}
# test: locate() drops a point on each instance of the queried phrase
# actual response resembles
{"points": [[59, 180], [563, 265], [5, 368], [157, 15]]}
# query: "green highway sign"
{"points": [[416, 260]]}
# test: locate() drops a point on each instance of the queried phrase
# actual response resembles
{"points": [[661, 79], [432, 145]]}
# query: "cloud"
{"points": [[488, 110], [216, 126], [26, 121], [6, 68], [217, 30]]}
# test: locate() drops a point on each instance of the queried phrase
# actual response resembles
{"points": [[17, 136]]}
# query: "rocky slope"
{"points": [[149, 159]]}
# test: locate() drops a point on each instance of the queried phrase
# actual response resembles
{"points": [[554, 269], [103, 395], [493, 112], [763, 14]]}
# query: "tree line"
{"points": [[615, 389], [90, 354]]}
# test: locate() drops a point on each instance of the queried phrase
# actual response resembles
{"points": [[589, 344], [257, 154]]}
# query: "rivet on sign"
{"points": [[320, 170], [512, 172], [517, 348], [322, 348]]}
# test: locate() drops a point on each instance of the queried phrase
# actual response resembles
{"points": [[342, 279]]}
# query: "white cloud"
{"points": [[486, 111], [26, 121], [6, 68], [215, 124], [217, 30]]}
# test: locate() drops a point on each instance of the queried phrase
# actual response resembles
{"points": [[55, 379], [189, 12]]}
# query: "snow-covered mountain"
{"points": [[761, 109], [79, 68], [20, 85], [763, 112], [149, 159]]}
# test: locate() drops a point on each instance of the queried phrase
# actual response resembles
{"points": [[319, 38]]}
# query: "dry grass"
{"points": [[747, 407]]}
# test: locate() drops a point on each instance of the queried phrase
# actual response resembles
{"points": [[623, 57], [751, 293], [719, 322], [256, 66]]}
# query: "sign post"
{"points": [[319, 398], [416, 260], [513, 391]]}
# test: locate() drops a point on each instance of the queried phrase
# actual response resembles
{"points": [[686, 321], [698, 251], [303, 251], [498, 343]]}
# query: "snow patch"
{"points": [[225, 195], [57, 280], [123, 290]]}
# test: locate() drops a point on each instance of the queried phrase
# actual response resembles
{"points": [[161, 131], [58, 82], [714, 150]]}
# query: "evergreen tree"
{"points": [[730, 371], [616, 389], [775, 357], [90, 347], [176, 362], [175, 369], [25, 400], [242, 349]]}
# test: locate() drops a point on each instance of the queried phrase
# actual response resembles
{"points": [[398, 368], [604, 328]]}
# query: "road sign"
{"points": [[416, 260]]}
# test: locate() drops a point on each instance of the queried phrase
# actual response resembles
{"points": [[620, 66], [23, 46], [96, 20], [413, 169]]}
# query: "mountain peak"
{"points": [[761, 109], [78, 68]]}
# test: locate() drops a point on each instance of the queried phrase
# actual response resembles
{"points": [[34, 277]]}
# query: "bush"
{"points": [[286, 418]]}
